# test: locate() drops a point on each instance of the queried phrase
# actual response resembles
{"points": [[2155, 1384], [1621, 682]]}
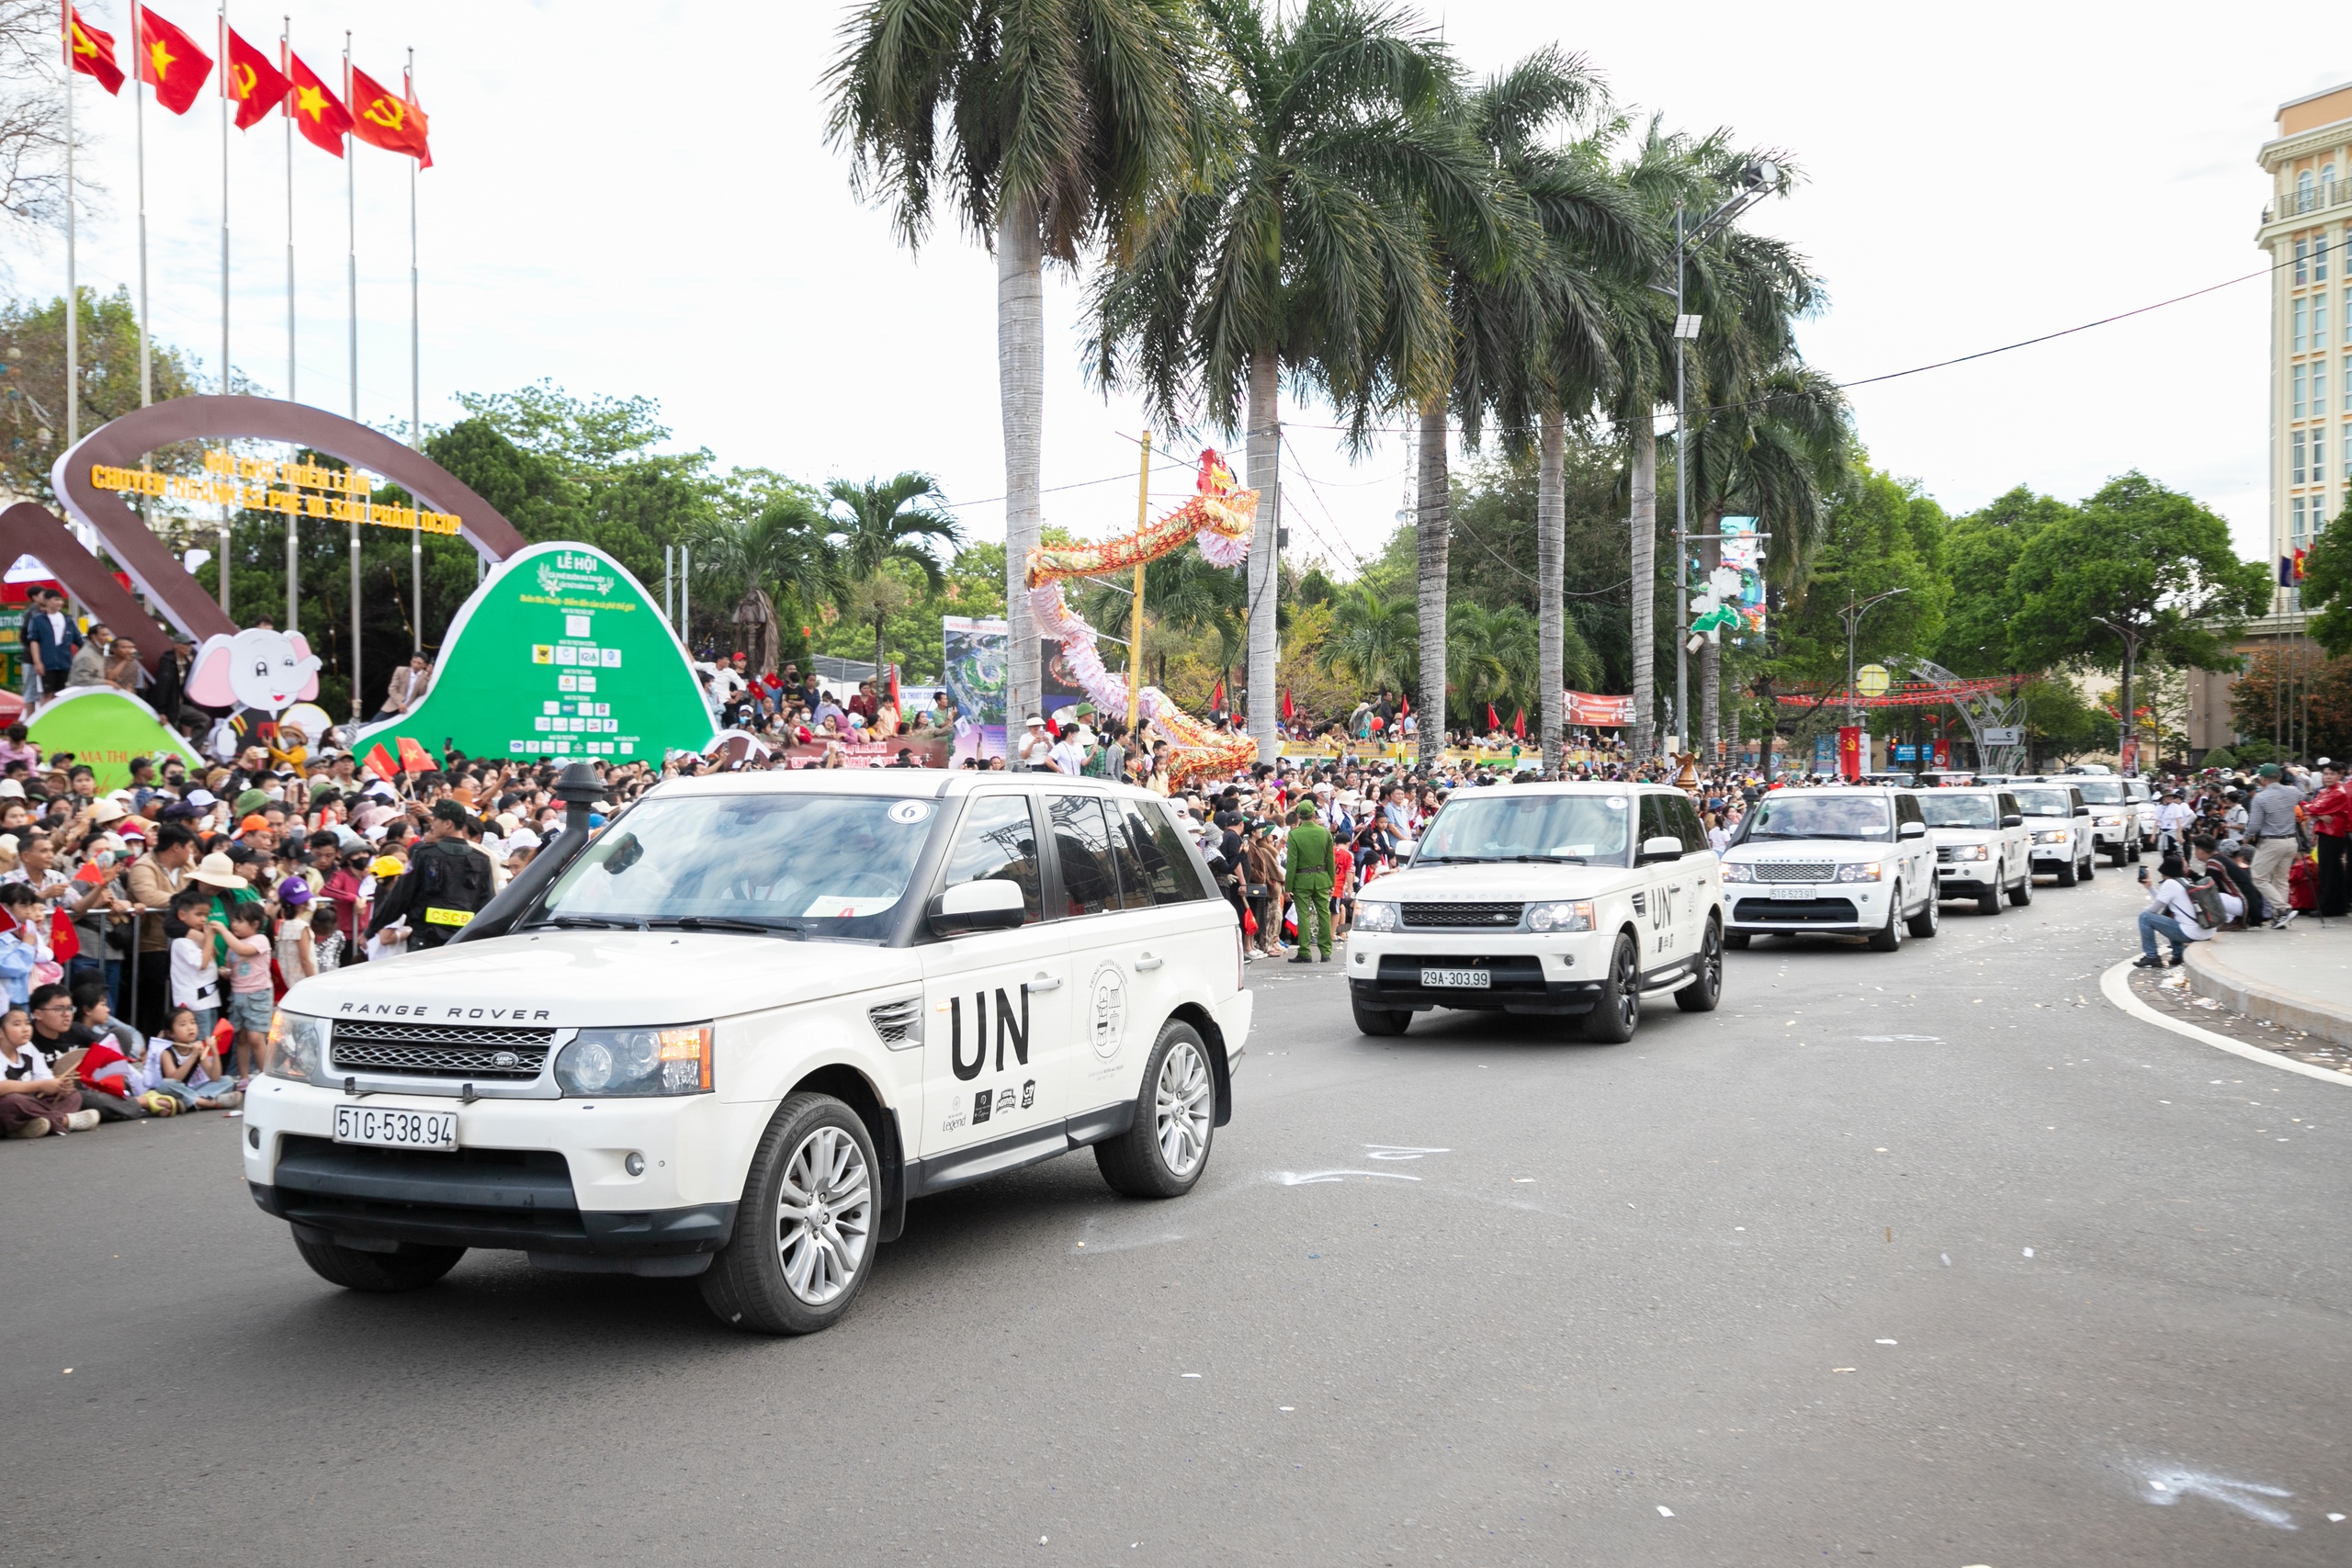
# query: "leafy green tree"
{"points": [[2327, 585], [877, 521], [32, 379], [1496, 659], [770, 566], [1375, 639], [1052, 126], [1302, 255], [1981, 551], [2137, 572]]}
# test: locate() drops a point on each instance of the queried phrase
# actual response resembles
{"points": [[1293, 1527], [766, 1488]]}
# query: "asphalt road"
{"points": [[1931, 1257]]}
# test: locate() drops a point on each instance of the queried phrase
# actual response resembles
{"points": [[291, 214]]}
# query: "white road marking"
{"points": [[2115, 986]]}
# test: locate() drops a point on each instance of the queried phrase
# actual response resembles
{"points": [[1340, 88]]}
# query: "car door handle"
{"points": [[1043, 983], [1148, 963]]}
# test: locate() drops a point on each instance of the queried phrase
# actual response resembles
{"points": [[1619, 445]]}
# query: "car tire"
{"points": [[1889, 939], [1380, 1021], [2090, 865], [1617, 1011], [1706, 990], [2118, 855], [1987, 903], [1929, 918], [2021, 894], [796, 1267], [1736, 940], [2066, 873], [1164, 1152], [413, 1268]]}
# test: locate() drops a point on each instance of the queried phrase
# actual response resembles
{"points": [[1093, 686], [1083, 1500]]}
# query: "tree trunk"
{"points": [[1432, 509], [2128, 727], [1551, 547], [1711, 655], [880, 686], [1264, 456], [1021, 395], [1645, 586]]}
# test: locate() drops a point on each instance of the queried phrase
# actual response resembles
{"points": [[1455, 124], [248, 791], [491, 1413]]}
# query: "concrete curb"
{"points": [[2210, 976], [2115, 986]]}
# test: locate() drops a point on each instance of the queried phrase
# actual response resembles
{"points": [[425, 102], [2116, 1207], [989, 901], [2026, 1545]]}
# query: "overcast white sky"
{"points": [[637, 198]]}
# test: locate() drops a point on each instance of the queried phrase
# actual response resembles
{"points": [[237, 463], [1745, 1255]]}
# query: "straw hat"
{"points": [[216, 871]]}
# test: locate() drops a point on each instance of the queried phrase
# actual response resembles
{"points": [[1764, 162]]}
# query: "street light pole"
{"points": [[1852, 616]]}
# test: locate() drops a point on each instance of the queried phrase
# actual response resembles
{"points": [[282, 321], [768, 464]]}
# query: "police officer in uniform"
{"points": [[1307, 866]]}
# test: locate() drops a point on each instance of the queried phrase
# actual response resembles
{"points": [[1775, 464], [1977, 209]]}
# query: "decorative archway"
{"points": [[149, 561]]}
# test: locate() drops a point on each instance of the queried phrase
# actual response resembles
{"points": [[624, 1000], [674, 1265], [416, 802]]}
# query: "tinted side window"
{"points": [[997, 842], [2009, 806], [1083, 846], [1906, 809], [1135, 883], [1686, 818], [1167, 870], [1652, 820]]}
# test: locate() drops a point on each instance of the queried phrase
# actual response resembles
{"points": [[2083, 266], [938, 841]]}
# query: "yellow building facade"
{"points": [[2307, 234]]}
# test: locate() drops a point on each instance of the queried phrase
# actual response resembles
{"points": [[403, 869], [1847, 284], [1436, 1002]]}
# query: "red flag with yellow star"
{"points": [[91, 51], [253, 81], [170, 63], [379, 119], [318, 114]]}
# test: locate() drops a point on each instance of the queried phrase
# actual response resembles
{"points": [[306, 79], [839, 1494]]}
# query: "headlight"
{"points": [[1561, 916], [2108, 821], [1738, 870], [298, 1046], [1967, 851], [1375, 917], [1860, 871], [2057, 835], [630, 1062]]}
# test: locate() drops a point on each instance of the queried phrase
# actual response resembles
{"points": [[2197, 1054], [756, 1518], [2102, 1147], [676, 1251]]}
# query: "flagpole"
{"points": [[351, 260], [415, 386], [220, 51], [73, 284], [139, 114], [293, 555]]}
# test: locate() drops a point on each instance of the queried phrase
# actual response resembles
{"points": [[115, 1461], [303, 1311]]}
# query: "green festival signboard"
{"points": [[559, 653], [106, 728]]}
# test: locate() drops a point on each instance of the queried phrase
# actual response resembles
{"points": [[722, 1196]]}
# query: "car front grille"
{"points": [[1461, 917], [1794, 871], [439, 1051], [1794, 911]]}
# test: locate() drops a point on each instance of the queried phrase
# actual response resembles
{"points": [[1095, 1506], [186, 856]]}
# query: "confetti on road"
{"points": [[1886, 1342], [2028, 1252], [1664, 1512], [1841, 1369]]}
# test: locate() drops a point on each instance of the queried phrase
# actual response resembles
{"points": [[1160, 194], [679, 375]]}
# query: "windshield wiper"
{"points": [[722, 923], [584, 923], [1549, 859]]}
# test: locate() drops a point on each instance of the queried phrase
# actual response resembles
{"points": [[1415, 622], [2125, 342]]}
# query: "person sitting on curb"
{"points": [[37, 1100], [2171, 914]]}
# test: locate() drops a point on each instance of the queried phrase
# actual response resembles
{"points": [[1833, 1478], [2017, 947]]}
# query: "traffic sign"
{"points": [[1871, 680]]}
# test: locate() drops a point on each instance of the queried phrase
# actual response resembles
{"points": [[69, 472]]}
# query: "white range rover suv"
{"points": [[1983, 847], [1565, 900], [2114, 818], [733, 1033], [2059, 820], [1832, 861]]}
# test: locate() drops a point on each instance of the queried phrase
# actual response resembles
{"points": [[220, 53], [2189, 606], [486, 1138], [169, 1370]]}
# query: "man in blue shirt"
{"points": [[51, 637]]}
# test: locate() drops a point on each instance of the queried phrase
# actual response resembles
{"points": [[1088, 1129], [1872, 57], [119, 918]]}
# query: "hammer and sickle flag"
{"points": [[170, 63], [396, 125], [253, 81], [91, 51], [318, 114]]}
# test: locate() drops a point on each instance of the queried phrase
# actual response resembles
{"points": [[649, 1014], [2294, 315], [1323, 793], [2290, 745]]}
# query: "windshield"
{"points": [[2045, 803], [1818, 814], [1943, 809], [2102, 792], [829, 865], [1587, 827]]}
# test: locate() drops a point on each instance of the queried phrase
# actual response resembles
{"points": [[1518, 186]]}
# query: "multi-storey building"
{"points": [[2307, 233]]}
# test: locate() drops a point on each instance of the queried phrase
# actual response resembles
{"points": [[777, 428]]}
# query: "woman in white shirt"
{"points": [[2171, 914]]}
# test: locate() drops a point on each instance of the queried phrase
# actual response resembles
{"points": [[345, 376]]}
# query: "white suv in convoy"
{"points": [[1982, 849], [733, 1033], [2060, 823], [2114, 819], [1832, 861], [2143, 802], [1568, 901]]}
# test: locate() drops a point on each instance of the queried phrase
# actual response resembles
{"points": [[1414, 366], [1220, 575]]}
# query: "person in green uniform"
{"points": [[1307, 866]]}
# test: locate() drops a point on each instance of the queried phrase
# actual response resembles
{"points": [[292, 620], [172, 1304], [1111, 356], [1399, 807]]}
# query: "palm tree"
{"points": [[1497, 656], [1305, 256], [880, 521], [1053, 125], [1374, 640], [755, 559], [1183, 594]]}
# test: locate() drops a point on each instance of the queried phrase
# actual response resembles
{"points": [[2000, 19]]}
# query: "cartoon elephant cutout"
{"points": [[257, 675]]}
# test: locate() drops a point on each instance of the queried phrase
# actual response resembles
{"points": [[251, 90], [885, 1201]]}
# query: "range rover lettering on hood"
{"points": [[420, 1010]]}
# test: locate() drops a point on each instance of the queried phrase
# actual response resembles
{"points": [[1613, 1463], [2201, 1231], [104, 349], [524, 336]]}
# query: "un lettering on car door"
{"points": [[996, 1037]]}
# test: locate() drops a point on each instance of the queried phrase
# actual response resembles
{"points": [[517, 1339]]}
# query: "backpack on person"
{"points": [[2207, 899]]}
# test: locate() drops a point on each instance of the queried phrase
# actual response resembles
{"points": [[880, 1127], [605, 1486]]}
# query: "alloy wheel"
{"points": [[824, 1215], [1181, 1108]]}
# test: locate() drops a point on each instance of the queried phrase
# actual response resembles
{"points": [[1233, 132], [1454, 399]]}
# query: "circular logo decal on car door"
{"points": [[1106, 1011]]}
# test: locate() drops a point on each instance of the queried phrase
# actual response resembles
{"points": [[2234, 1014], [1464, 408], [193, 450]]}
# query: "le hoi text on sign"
{"points": [[261, 484]]}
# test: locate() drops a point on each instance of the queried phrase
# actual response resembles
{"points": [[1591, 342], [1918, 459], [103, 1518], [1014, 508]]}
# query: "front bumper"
{"points": [[1554, 974], [1850, 909], [544, 1177]]}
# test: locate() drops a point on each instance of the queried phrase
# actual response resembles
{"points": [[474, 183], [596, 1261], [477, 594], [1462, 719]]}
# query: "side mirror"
{"points": [[1666, 846], [2082, 811], [989, 904], [1911, 831], [2013, 820]]}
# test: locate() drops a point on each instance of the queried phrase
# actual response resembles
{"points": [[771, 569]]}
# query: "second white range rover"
{"points": [[1832, 861], [1568, 900]]}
